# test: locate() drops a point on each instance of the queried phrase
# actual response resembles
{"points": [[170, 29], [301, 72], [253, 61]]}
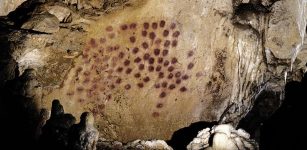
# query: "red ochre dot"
{"points": [[190, 66], [127, 86], [156, 51], [178, 74], [185, 77], [164, 84], [111, 35], [158, 41], [109, 28], [137, 75], [144, 33], [121, 54], [158, 68], [174, 60], [119, 69], [154, 25], [157, 85], [151, 68], [118, 81], [93, 43], [161, 75], [172, 86], [132, 25], [166, 63], [178, 81], [159, 105], [140, 85], [170, 76], [126, 62], [152, 35], [160, 60], [141, 67], [70, 93], [176, 34], [86, 80], [162, 23], [145, 45], [170, 68], [155, 114], [183, 89], [128, 71], [174, 43], [173, 26], [112, 86], [132, 39], [146, 25], [124, 27], [86, 73], [165, 33], [151, 60], [135, 50], [137, 60], [162, 95], [165, 52], [146, 56], [167, 43], [79, 69], [146, 79], [102, 40]]}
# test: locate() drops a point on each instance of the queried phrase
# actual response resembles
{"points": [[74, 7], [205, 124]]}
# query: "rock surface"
{"points": [[6, 6], [148, 68]]}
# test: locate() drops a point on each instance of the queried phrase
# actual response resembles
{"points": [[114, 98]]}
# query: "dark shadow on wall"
{"points": [[182, 137]]}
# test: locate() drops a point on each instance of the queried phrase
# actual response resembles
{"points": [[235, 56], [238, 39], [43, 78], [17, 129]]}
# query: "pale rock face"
{"points": [[46, 23], [7, 6]]}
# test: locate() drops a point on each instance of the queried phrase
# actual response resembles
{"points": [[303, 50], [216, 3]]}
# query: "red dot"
{"points": [[137, 75], [151, 60], [170, 76], [154, 25], [119, 69], [102, 40], [173, 26], [152, 35], [140, 85], [160, 60], [159, 105], [166, 63], [124, 27], [127, 86], [176, 34], [86, 80], [158, 41], [155, 114], [161, 74], [146, 25], [157, 85], [162, 23], [109, 28], [132, 39], [112, 86], [93, 43], [183, 89], [178, 74], [185, 77], [167, 43], [132, 25], [116, 47], [144, 33], [178, 81], [151, 68], [111, 35], [141, 67], [162, 95], [128, 70], [170, 68], [174, 60], [172, 86], [146, 56], [190, 66], [158, 68], [80, 89], [118, 81], [164, 84], [121, 54], [126, 62], [174, 43], [165, 33], [86, 73], [164, 52], [145, 45], [146, 79], [135, 50], [156, 51], [137, 60], [79, 69]]}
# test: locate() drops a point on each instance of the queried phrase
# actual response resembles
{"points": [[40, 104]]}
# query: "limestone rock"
{"points": [[83, 136], [62, 13], [6, 6], [201, 141], [46, 23]]}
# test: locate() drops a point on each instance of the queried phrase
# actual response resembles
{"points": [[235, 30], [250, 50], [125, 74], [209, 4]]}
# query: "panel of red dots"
{"points": [[144, 61]]}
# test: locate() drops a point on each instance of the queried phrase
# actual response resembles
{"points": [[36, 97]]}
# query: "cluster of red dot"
{"points": [[147, 58]]}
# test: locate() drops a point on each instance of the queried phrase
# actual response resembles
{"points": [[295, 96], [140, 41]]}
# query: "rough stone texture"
{"points": [[210, 64], [6, 6], [46, 23]]}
